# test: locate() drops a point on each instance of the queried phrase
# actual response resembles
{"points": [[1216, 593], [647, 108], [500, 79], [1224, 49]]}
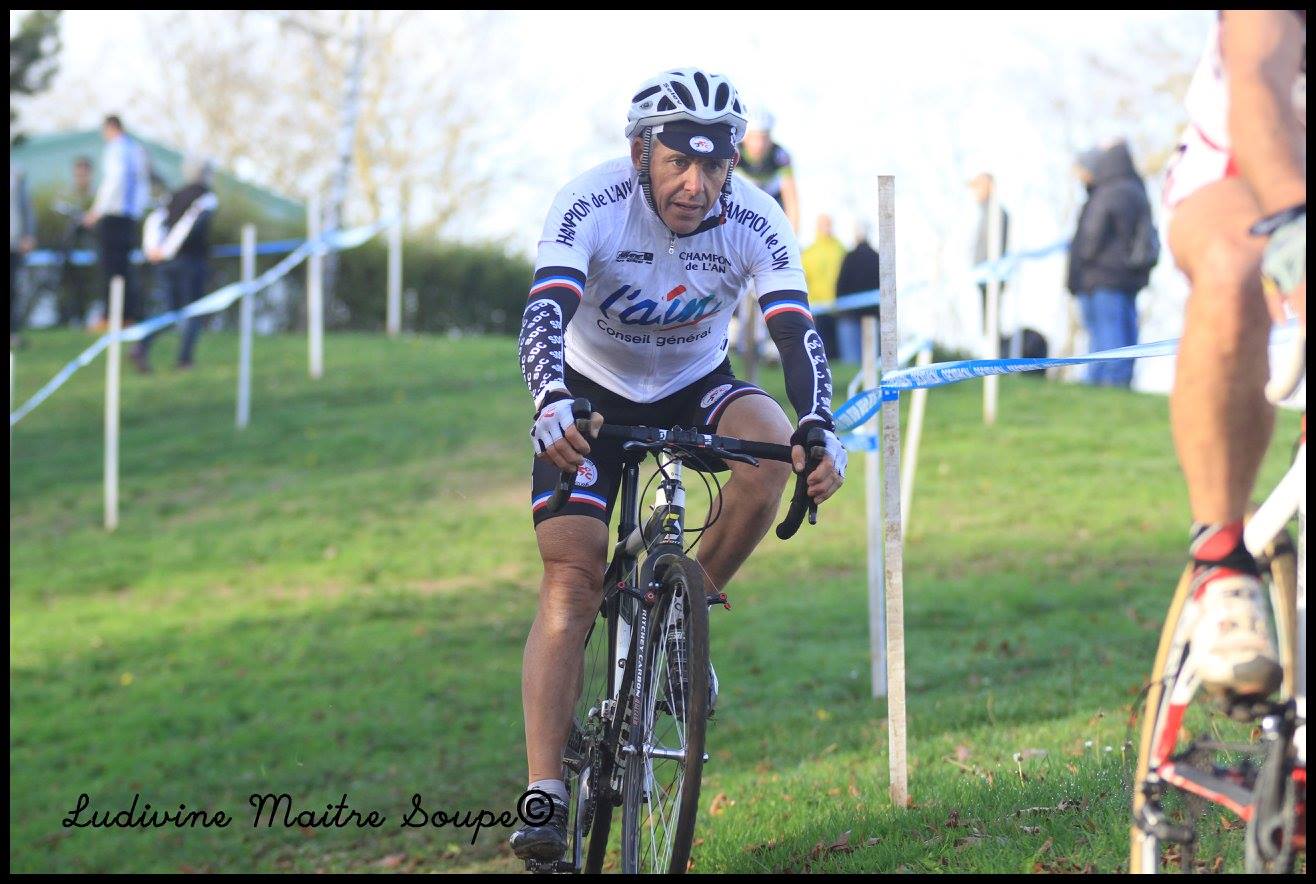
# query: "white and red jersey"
{"points": [[1205, 154]]}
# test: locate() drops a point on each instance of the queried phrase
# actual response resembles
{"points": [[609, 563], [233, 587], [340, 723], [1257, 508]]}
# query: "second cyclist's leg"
{"points": [[1222, 424], [572, 548]]}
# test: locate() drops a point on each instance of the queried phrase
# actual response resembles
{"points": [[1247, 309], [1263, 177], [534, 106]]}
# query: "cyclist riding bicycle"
{"points": [[1242, 158], [640, 264]]}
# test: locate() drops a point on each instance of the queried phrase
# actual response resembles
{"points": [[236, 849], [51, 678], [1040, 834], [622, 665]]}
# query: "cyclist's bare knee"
{"points": [[1211, 244], [760, 419], [572, 549]]}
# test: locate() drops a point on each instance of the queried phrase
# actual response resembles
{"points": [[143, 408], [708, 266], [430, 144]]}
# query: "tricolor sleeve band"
{"points": [[808, 378], [555, 294]]}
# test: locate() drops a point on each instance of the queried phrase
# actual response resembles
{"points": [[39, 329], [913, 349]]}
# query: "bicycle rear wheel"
{"points": [[661, 786]]}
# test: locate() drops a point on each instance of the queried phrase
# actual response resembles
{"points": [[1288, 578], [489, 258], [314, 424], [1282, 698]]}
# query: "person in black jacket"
{"points": [[1108, 258], [859, 273], [177, 237]]}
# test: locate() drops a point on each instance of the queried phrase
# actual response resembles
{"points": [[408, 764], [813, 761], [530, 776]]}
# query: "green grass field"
{"points": [[334, 601]]}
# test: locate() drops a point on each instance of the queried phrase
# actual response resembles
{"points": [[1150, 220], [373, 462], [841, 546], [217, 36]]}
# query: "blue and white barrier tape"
{"points": [[85, 257], [1004, 266], [860, 408], [1001, 269], [212, 303]]}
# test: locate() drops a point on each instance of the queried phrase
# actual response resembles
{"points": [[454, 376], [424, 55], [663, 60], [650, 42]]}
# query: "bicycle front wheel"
{"points": [[586, 762], [1145, 846], [666, 760]]}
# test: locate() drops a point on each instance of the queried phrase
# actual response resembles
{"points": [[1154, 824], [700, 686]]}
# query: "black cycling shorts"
{"points": [[699, 407]]}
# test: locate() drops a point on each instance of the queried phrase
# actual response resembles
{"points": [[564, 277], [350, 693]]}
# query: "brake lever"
{"points": [[732, 455]]}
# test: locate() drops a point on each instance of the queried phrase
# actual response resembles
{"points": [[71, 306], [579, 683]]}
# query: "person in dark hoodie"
{"points": [[1111, 257], [859, 273], [177, 237]]}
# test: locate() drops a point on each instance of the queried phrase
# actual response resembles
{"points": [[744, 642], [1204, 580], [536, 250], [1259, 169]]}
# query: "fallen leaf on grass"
{"points": [[757, 848], [840, 845], [392, 861], [953, 821], [1032, 830], [962, 753], [719, 804], [871, 842], [854, 790]]}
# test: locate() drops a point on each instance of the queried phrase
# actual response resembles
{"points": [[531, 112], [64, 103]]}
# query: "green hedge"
{"points": [[478, 289]]}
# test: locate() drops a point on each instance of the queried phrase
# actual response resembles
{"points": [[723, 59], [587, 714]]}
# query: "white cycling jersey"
{"points": [[647, 311], [1205, 154]]}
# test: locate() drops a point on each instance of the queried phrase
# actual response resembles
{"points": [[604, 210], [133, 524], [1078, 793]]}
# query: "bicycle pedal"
{"points": [[1245, 707], [539, 867]]}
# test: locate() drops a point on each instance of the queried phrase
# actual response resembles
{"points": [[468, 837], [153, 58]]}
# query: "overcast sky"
{"points": [[930, 97]]}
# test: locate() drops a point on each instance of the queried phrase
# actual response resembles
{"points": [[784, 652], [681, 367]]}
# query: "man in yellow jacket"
{"points": [[822, 266]]}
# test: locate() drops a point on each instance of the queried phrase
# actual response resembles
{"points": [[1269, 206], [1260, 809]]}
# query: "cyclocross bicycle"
{"points": [[648, 689], [1190, 755]]}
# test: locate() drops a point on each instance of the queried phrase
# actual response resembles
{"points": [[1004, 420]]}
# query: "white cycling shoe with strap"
{"points": [[1233, 652]]}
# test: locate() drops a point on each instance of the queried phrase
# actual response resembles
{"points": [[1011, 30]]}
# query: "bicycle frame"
{"points": [[625, 580]]}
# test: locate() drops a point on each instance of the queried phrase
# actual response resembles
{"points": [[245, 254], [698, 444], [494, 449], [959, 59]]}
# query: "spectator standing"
{"points": [[983, 186], [22, 239], [123, 195], [1114, 248], [822, 266], [73, 204], [176, 237], [860, 272]]}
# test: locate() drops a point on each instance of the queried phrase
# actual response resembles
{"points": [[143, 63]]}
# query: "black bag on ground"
{"points": [[1033, 345]]}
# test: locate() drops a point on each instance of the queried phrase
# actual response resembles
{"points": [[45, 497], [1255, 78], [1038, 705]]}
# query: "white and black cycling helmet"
{"points": [[687, 94], [691, 111]]}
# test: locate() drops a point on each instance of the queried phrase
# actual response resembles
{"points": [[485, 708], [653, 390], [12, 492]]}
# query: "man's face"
{"points": [[109, 132], [756, 142], [981, 187], [684, 187]]}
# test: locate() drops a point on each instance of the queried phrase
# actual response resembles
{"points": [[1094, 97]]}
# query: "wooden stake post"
{"points": [[892, 545], [112, 375], [992, 321], [393, 311], [314, 292], [245, 308]]}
